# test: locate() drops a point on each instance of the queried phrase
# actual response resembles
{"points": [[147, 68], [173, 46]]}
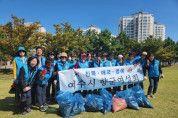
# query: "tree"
{"points": [[17, 34], [66, 39]]}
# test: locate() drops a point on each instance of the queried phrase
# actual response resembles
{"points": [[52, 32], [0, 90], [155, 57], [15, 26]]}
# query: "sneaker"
{"points": [[153, 95], [42, 108], [28, 110], [23, 112], [148, 96], [45, 106]]}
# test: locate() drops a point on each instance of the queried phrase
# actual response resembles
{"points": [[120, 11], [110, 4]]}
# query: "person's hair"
{"points": [[89, 53], [39, 47], [151, 54], [31, 58], [51, 53], [49, 60]]}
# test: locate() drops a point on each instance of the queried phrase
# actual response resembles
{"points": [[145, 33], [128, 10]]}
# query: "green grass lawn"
{"points": [[165, 104]]}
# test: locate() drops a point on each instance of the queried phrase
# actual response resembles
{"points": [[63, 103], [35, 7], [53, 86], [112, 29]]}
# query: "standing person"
{"points": [[142, 62], [45, 73], [82, 63], [58, 56], [106, 63], [129, 61], [96, 64], [41, 60], [61, 66], [27, 77], [119, 62], [89, 56], [51, 97], [19, 61], [154, 73], [73, 61], [137, 53], [112, 60]]}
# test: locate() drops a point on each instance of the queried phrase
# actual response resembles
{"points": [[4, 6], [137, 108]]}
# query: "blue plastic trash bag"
{"points": [[141, 98], [78, 104], [66, 103], [107, 100], [129, 98], [93, 103]]}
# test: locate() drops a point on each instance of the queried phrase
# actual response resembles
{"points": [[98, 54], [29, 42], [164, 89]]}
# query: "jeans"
{"points": [[41, 94], [26, 99], [153, 85]]}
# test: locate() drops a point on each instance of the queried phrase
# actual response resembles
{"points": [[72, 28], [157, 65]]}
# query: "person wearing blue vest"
{"points": [[142, 62], [154, 73], [61, 66], [45, 73], [137, 53], [96, 64], [106, 63], [26, 79], [51, 97], [112, 60], [82, 63], [58, 56], [73, 61], [89, 56], [128, 62], [119, 62], [19, 61], [41, 59]]}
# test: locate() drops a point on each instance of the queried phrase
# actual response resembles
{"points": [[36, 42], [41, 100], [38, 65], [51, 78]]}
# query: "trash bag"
{"points": [[93, 103], [66, 103], [129, 98], [118, 104], [141, 98], [70, 105], [107, 100], [78, 104]]}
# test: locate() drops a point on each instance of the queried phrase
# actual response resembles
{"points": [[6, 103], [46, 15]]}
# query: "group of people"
{"points": [[34, 76]]}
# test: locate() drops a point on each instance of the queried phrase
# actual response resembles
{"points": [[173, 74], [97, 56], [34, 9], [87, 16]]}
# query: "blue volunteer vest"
{"points": [[46, 77], [113, 62], [118, 63], [61, 66], [43, 59], [28, 74], [19, 64], [106, 63], [54, 62], [143, 62], [90, 62], [154, 69], [96, 64], [82, 64], [72, 64], [136, 59], [129, 62]]}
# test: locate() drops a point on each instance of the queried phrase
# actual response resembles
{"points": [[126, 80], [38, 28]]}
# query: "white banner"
{"points": [[95, 78]]}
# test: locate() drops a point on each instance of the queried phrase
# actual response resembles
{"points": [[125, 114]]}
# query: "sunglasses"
{"points": [[49, 64], [21, 51]]}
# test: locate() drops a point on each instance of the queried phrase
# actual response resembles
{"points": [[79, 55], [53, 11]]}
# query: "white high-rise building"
{"points": [[92, 28], [159, 31], [139, 26]]}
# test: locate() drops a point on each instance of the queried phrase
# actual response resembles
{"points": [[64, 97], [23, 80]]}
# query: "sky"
{"points": [[83, 13]]}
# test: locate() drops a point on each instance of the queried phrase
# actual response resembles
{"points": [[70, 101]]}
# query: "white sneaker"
{"points": [[148, 96], [153, 95]]}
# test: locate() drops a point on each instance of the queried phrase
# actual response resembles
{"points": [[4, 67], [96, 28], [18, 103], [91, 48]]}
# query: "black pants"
{"points": [[50, 83], [41, 94], [33, 94]]}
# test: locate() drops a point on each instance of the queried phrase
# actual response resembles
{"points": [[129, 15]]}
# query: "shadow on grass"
{"points": [[6, 71], [8, 105]]}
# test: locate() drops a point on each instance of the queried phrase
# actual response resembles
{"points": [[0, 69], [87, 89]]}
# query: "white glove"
{"points": [[162, 76], [55, 82], [145, 77]]}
